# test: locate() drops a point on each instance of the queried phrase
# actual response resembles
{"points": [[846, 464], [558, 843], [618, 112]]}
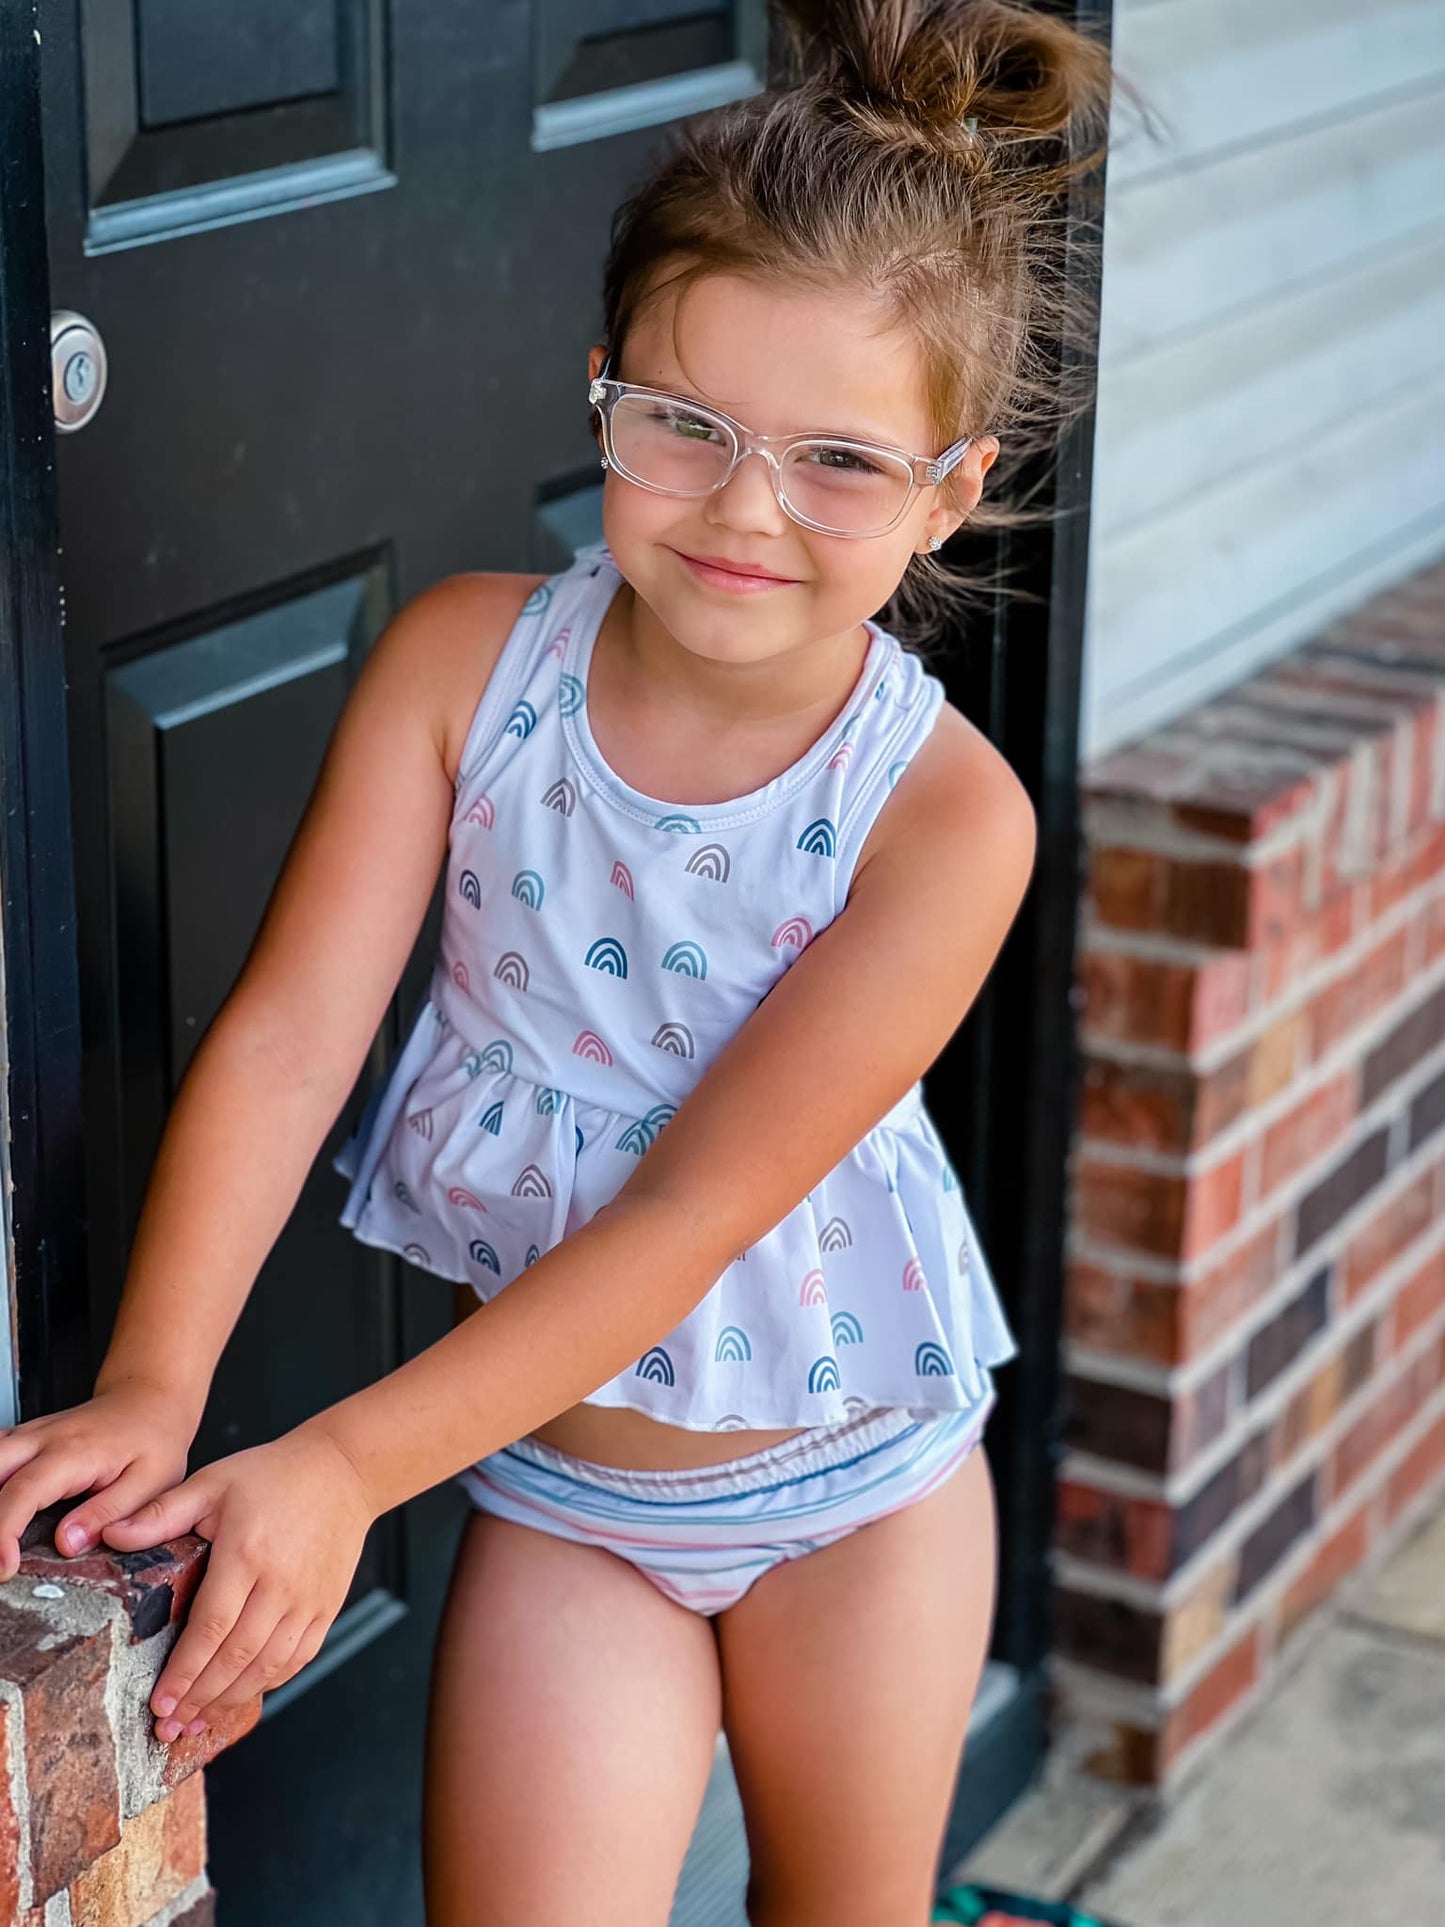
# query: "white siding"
{"points": [[1270, 436]]}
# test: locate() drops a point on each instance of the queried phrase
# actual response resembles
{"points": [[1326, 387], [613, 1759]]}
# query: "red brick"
{"points": [[1308, 1129], [1368, 986], [1412, 868], [1220, 1297], [1419, 1299], [1223, 1686], [1114, 1529], [1344, 1551], [1421, 1466], [70, 1766], [162, 1849], [1316, 935], [1109, 1311], [189, 1751], [10, 1836], [1387, 1416], [1145, 1000], [1159, 1212], [1230, 905], [1161, 1107], [1396, 1225]]}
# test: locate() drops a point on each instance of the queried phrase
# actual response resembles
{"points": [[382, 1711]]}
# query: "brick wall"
{"points": [[1255, 1297], [101, 1825]]}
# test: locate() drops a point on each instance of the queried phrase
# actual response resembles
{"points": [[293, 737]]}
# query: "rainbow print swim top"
{"points": [[598, 949]]}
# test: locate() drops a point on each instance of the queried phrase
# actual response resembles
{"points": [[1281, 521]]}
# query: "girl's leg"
{"points": [[573, 1717], [848, 1675]]}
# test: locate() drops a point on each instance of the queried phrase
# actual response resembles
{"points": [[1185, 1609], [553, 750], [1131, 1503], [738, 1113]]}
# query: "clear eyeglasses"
{"points": [[831, 483]]}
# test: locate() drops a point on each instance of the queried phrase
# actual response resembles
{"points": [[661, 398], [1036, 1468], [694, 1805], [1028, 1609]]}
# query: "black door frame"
{"points": [[1004, 1091]]}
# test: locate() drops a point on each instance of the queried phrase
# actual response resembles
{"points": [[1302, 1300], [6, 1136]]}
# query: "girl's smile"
{"points": [[732, 581]]}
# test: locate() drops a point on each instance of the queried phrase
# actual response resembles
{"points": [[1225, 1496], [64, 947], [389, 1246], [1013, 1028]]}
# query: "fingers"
{"points": [[221, 1602], [124, 1495], [164, 1517], [31, 1490]]}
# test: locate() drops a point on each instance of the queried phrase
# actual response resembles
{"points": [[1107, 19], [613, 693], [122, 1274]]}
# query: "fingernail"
{"points": [[74, 1538], [166, 1730], [166, 1705], [197, 1725]]}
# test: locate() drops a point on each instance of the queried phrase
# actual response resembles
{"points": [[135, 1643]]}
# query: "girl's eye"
{"points": [[687, 427], [846, 461]]}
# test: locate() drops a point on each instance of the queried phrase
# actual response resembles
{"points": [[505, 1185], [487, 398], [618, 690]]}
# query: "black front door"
{"points": [[341, 261]]}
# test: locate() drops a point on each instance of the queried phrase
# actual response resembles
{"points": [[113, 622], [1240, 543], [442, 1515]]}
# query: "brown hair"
{"points": [[925, 153]]}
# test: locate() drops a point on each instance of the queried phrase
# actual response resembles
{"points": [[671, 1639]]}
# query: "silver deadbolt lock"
{"points": [[77, 369]]}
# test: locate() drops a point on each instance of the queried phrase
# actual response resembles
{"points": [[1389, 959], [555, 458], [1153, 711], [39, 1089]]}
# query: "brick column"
{"points": [[1255, 1303], [101, 1825]]}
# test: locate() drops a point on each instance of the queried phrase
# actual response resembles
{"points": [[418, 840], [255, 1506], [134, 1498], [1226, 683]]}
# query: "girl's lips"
{"points": [[726, 579]]}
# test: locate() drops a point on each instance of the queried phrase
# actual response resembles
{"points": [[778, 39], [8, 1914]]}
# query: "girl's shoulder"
{"points": [[454, 632]]}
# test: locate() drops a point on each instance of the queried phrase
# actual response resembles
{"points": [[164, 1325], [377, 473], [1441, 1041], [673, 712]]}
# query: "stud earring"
{"points": [[935, 541], [605, 463]]}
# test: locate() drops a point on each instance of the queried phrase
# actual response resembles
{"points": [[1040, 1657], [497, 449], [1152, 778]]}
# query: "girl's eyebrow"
{"points": [[840, 434]]}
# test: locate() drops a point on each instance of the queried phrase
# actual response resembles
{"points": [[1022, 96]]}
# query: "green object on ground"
{"points": [[970, 1903]]}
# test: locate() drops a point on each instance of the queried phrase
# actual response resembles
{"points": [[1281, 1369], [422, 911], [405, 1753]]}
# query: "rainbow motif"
{"points": [[459, 1194], [606, 953], [823, 1375], [835, 1235], [522, 721], [820, 838], [733, 1346], [689, 959], [417, 1255], [533, 1254], [561, 795], [421, 1123], [913, 1276], [469, 886], [932, 1361], [642, 1131], [676, 1038], [846, 1329], [711, 861], [482, 811], [491, 1118], [842, 756], [796, 933], [512, 969], [549, 1101], [676, 820], [656, 1366], [498, 1054], [591, 1046], [570, 695], [532, 1183], [484, 1254], [538, 600], [403, 1196], [622, 877], [895, 770], [527, 887], [730, 1422], [813, 1291], [460, 977]]}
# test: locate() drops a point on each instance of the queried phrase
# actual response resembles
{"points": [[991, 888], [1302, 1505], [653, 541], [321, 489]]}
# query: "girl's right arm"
{"points": [[269, 1077]]}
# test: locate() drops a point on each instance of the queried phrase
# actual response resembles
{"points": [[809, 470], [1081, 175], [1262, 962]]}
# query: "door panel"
{"points": [[345, 264]]}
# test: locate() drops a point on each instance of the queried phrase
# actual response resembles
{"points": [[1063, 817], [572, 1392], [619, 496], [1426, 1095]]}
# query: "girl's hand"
{"points": [[123, 1446], [286, 1522]]}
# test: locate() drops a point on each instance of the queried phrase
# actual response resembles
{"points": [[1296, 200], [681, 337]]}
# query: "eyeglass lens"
{"points": [[688, 453]]}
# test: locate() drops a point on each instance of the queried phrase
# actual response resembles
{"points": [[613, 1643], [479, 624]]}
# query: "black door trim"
{"points": [[41, 996]]}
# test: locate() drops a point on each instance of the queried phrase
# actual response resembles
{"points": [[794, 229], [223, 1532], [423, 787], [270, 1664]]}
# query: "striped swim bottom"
{"points": [[702, 1535]]}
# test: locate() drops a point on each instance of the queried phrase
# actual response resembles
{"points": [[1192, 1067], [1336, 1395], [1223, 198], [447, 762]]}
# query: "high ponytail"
{"points": [[936, 155]]}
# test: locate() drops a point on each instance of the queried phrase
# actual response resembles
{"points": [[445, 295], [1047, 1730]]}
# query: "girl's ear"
{"points": [[596, 355]]}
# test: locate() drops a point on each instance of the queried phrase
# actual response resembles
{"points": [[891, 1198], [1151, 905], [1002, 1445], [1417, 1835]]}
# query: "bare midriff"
{"points": [[616, 1435]]}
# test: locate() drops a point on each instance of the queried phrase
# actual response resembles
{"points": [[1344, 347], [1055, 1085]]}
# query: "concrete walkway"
{"points": [[1325, 1807]]}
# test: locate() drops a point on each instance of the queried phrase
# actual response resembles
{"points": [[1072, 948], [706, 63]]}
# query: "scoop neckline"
{"points": [[577, 727]]}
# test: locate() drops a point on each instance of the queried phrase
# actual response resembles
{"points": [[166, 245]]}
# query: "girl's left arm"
{"points": [[852, 1024]]}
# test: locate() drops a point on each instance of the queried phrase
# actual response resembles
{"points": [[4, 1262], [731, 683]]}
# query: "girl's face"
{"points": [[781, 363]]}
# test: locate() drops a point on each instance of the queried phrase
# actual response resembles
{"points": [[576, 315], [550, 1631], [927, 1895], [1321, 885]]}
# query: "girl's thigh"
{"points": [[848, 1675], [573, 1717]]}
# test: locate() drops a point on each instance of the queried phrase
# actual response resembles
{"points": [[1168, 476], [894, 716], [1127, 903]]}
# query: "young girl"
{"points": [[725, 872]]}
